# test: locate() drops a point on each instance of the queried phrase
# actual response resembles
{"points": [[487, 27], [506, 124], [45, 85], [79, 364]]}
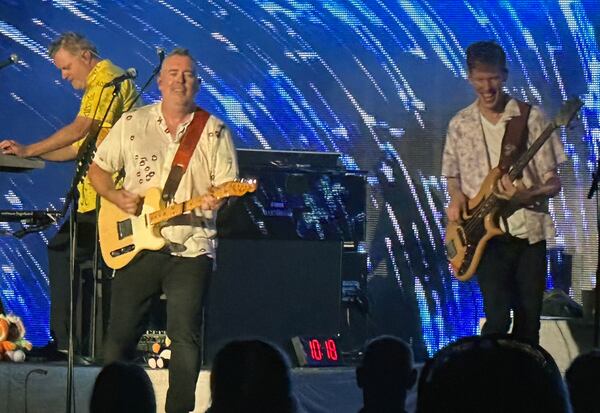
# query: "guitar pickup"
{"points": [[123, 250], [461, 234], [451, 249], [124, 228]]}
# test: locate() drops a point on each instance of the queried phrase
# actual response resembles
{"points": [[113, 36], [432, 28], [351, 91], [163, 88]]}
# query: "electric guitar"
{"points": [[123, 236], [466, 240]]}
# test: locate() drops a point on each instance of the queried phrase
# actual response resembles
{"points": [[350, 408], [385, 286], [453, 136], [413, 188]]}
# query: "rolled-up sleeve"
{"points": [[226, 166], [552, 153], [450, 164], [109, 156]]}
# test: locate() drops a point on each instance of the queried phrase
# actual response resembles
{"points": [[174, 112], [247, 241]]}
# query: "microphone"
{"points": [[161, 54], [12, 59], [130, 73]]}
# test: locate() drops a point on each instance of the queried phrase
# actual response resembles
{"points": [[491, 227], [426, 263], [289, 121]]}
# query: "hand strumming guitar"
{"points": [[125, 200], [458, 201], [456, 207]]}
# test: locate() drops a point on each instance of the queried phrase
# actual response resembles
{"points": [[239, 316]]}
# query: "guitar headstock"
{"points": [[234, 188], [568, 111]]}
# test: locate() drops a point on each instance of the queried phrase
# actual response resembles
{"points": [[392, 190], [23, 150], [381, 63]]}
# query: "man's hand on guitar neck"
{"points": [[519, 195], [515, 192], [211, 203]]}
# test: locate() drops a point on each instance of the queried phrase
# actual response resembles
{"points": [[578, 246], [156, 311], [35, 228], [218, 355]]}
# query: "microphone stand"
{"points": [[96, 257], [152, 76], [85, 157], [594, 189]]}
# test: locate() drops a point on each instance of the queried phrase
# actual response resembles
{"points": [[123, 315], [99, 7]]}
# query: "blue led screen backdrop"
{"points": [[374, 80]]}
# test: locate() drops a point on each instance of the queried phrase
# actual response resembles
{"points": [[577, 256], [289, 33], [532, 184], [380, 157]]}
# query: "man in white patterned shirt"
{"points": [[512, 271], [144, 143]]}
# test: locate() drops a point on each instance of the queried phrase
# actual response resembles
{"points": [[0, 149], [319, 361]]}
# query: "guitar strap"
{"points": [[184, 153], [514, 142]]}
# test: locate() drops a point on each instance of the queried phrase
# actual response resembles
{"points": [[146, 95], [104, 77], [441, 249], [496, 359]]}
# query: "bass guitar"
{"points": [[466, 240], [123, 236]]}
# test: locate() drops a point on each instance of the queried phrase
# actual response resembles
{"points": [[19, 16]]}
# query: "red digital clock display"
{"points": [[316, 351]]}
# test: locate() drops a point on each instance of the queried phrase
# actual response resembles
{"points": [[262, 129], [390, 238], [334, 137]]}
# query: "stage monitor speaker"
{"points": [[274, 290]]}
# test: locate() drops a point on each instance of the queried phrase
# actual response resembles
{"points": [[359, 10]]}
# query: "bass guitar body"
{"points": [[466, 240]]}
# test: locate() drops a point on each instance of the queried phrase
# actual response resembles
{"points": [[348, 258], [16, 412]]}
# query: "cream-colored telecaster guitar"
{"points": [[123, 236]]}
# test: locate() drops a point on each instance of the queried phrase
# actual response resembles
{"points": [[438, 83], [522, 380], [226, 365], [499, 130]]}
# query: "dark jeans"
{"points": [[58, 263], [512, 275], [185, 282]]}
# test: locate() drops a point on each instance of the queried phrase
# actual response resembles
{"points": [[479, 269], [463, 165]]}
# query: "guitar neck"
{"points": [[231, 188], [515, 172], [522, 162], [174, 210]]}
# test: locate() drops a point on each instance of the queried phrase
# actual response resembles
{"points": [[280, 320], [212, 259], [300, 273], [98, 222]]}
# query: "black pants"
{"points": [[185, 282], [58, 263], [512, 275]]}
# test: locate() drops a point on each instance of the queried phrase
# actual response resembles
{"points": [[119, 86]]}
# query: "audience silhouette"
{"points": [[123, 388], [491, 374], [385, 375], [583, 382], [250, 376]]}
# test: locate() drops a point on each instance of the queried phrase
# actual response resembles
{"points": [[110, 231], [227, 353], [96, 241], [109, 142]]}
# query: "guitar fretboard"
{"points": [[175, 210], [524, 159], [222, 191]]}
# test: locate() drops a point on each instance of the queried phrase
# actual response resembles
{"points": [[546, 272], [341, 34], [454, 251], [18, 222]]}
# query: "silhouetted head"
{"points": [[386, 373], [491, 374], [250, 376], [123, 388], [583, 381]]}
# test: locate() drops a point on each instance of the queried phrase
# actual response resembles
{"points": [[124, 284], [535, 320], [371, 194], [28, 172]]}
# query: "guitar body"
{"points": [[465, 241], [123, 236]]}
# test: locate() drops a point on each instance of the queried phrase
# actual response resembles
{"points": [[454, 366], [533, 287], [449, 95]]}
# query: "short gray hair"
{"points": [[181, 51], [73, 43]]}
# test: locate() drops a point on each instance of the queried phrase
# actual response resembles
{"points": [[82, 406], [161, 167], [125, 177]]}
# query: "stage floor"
{"points": [[40, 388]]}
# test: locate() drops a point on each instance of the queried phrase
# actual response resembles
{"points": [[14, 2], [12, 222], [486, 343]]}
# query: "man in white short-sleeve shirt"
{"points": [[512, 271], [144, 143]]}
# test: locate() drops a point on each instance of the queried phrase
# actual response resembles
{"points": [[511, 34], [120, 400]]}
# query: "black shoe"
{"points": [[52, 354], [83, 360], [41, 354]]}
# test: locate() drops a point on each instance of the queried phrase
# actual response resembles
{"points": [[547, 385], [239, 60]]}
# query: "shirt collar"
{"points": [[182, 127], [101, 65], [511, 110]]}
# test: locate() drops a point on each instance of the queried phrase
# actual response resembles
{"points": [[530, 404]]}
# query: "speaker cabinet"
{"points": [[273, 290]]}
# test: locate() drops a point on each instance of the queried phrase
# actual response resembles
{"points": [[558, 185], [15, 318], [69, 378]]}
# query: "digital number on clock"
{"points": [[316, 351]]}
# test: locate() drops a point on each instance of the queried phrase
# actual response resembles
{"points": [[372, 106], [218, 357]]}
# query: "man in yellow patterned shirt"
{"points": [[79, 62]]}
